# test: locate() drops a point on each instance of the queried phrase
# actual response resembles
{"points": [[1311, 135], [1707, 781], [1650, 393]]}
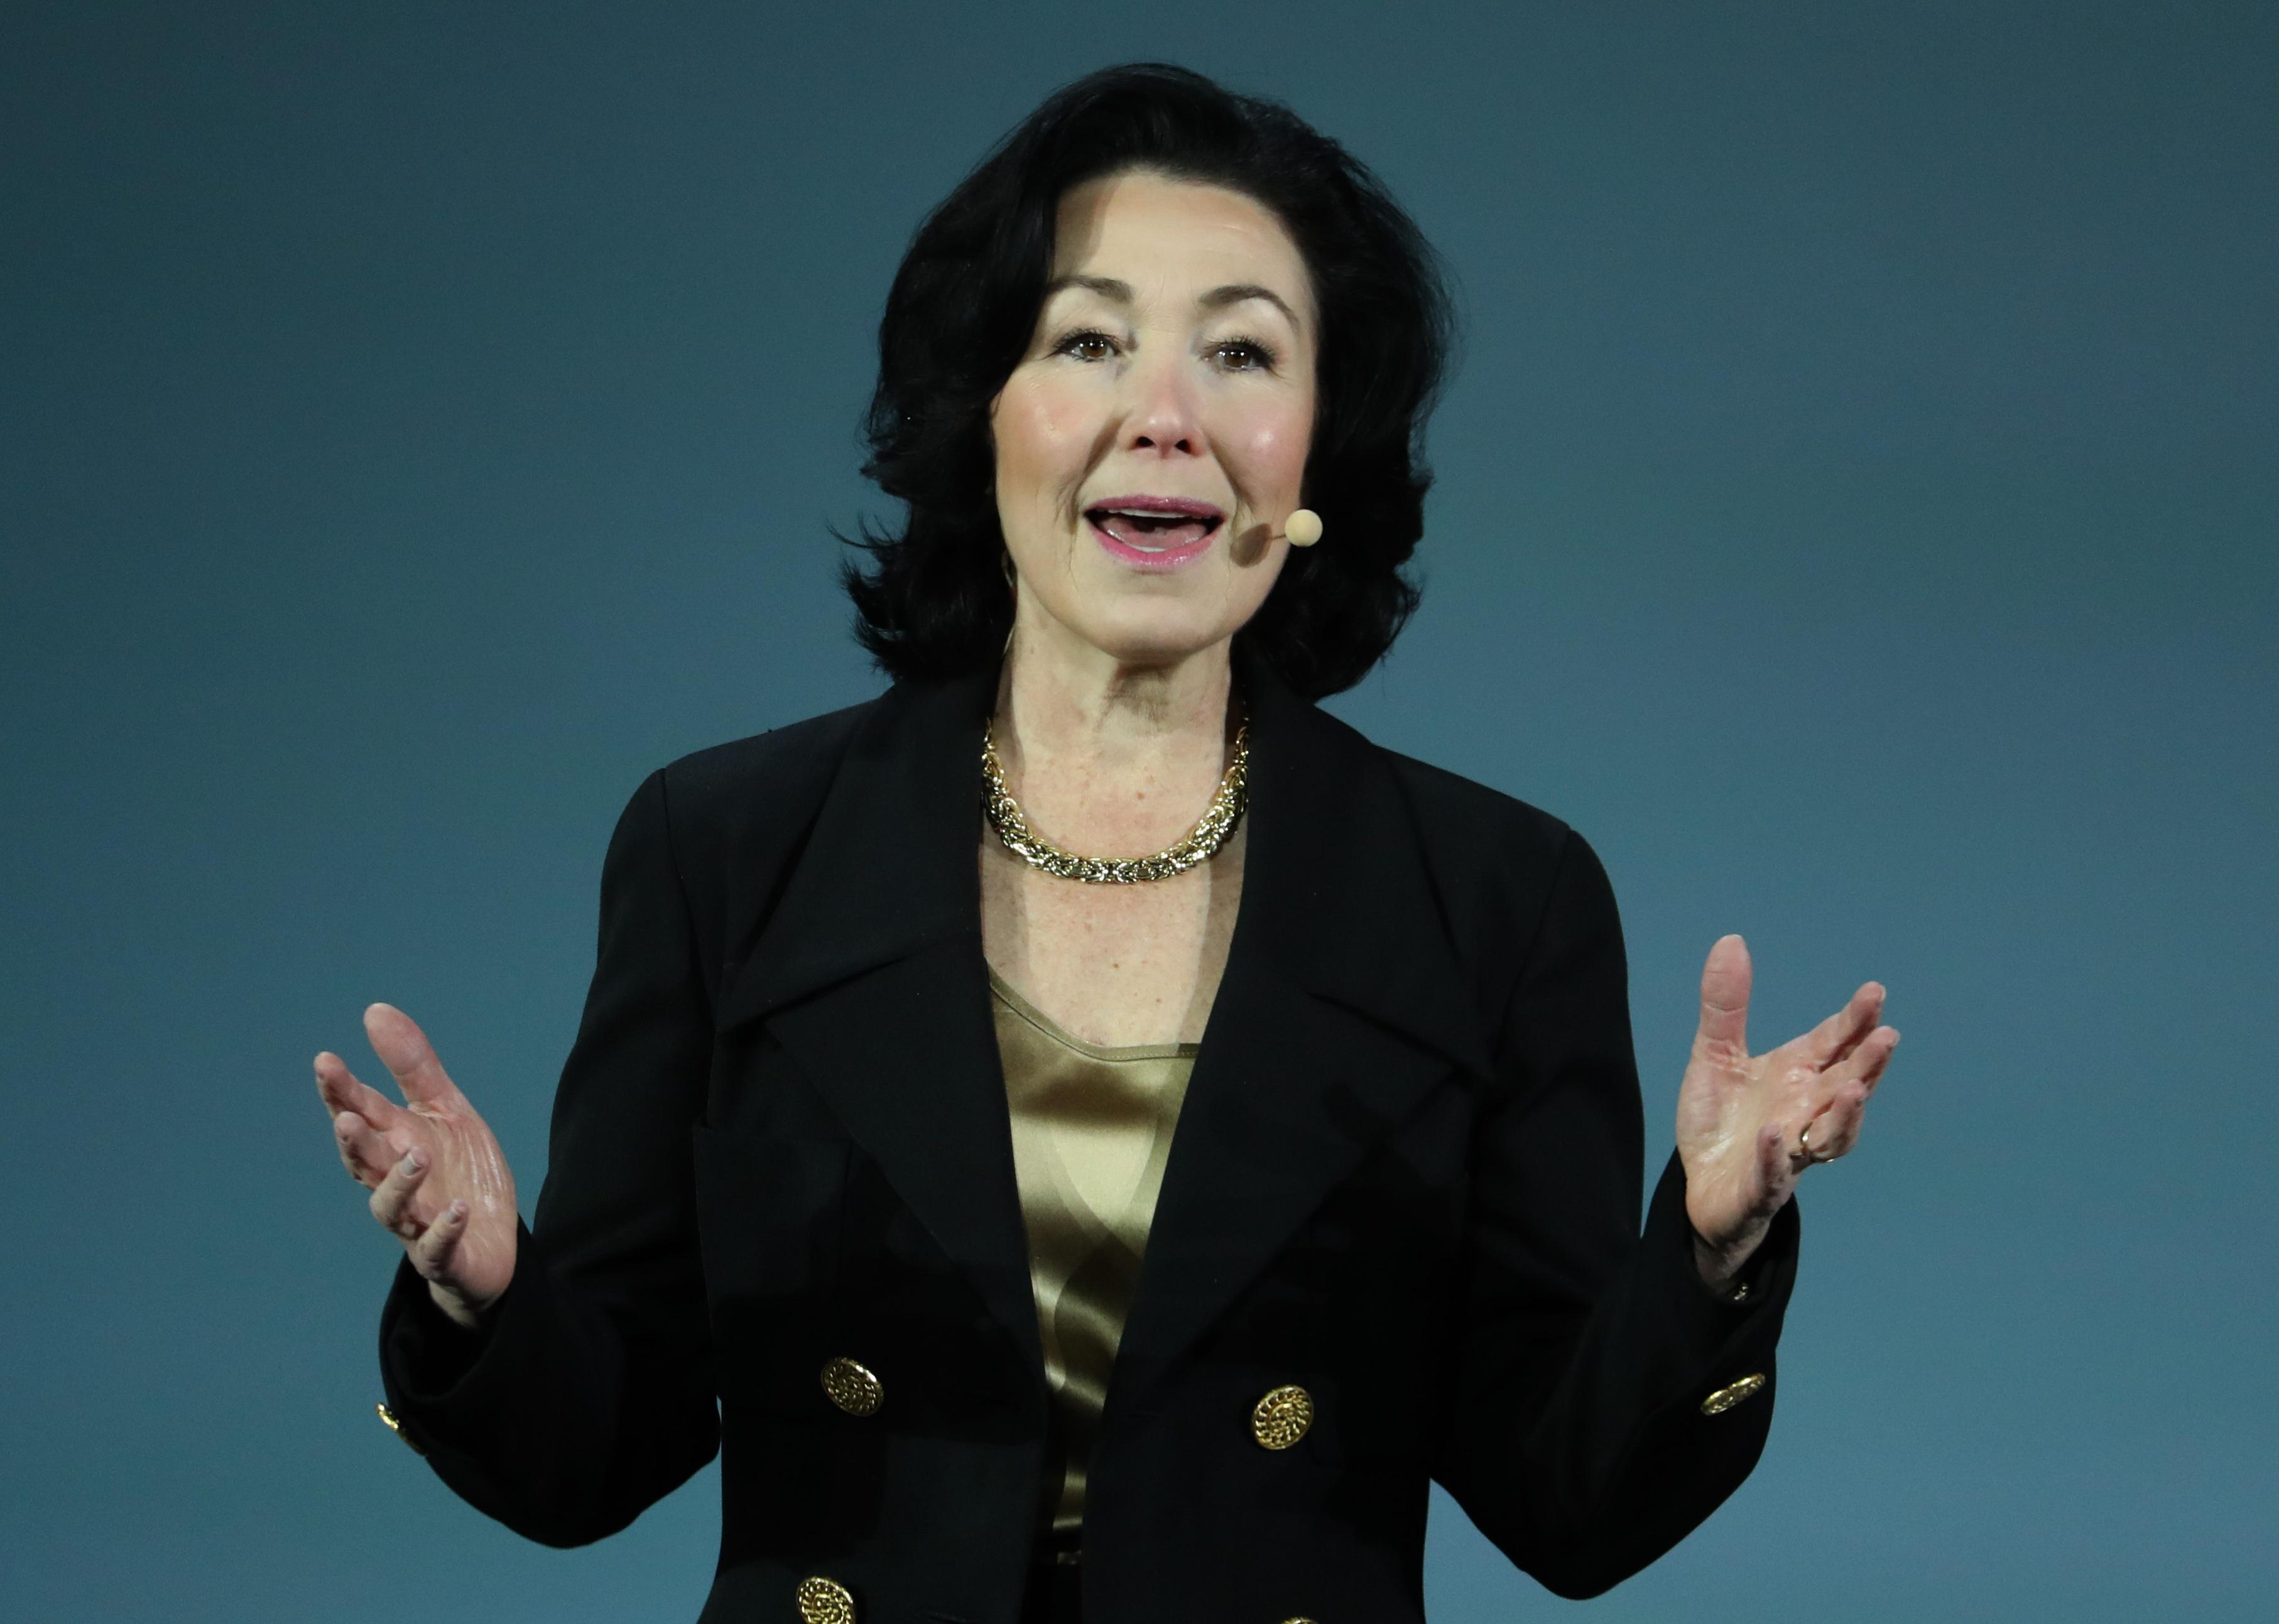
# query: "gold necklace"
{"points": [[1202, 844]]}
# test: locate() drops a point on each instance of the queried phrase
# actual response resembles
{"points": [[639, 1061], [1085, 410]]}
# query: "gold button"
{"points": [[1282, 1417], [823, 1602], [1725, 1398], [852, 1387], [387, 1416]]}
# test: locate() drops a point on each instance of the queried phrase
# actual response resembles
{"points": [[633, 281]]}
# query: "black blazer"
{"points": [[1406, 1178]]}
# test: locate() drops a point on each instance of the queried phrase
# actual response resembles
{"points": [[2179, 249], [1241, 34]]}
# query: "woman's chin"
{"points": [[1153, 634]]}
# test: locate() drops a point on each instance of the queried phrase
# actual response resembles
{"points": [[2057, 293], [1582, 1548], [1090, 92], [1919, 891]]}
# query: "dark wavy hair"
{"points": [[933, 601]]}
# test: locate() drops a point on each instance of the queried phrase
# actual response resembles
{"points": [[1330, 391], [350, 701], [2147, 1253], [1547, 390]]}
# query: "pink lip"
{"points": [[1170, 557], [1161, 505]]}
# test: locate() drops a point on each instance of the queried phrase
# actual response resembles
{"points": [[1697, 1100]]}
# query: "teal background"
{"points": [[418, 421]]}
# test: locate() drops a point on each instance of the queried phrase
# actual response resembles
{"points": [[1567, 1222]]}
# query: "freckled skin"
{"points": [[1111, 719]]}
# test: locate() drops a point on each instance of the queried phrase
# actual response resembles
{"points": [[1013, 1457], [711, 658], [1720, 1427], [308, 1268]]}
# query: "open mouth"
{"points": [[1155, 526]]}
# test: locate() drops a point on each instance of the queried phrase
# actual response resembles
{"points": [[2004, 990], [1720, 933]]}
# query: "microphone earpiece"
{"points": [[1303, 528]]}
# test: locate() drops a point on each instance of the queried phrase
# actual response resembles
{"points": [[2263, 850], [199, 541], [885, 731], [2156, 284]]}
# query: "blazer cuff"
{"points": [[447, 1385], [1719, 1342]]}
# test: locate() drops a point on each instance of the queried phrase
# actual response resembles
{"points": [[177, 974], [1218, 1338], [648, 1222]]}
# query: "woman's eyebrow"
{"points": [[1235, 293], [1105, 286], [1218, 298]]}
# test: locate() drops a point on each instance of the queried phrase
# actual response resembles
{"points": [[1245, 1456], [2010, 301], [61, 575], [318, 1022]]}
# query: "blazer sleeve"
{"points": [[1575, 1434], [587, 1393]]}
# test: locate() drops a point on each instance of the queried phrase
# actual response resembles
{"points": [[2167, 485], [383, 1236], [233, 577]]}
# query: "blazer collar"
{"points": [[891, 865], [1337, 894]]}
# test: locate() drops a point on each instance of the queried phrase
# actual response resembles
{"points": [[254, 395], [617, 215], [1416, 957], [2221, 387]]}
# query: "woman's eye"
{"points": [[1244, 356], [1087, 345]]}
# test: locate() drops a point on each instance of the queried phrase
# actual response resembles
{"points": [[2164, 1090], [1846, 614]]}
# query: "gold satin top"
{"points": [[1092, 1130]]}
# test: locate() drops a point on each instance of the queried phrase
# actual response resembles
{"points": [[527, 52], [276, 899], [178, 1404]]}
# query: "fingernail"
{"points": [[459, 1212], [412, 1160]]}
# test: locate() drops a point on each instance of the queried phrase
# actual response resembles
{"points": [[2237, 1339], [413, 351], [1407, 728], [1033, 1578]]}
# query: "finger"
{"points": [[431, 1253], [408, 1055], [1866, 1063], [1723, 1034], [1837, 1130], [391, 1202], [338, 1087], [1776, 1173], [1836, 1037], [366, 1151]]}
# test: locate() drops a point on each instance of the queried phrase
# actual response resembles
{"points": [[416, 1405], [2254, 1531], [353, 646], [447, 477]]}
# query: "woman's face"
{"points": [[1153, 436]]}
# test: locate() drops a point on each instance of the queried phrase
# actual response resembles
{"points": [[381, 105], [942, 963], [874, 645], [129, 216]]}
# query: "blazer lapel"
{"points": [[869, 970], [1342, 1007]]}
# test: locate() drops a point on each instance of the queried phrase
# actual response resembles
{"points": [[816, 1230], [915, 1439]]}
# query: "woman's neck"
{"points": [[1108, 757]]}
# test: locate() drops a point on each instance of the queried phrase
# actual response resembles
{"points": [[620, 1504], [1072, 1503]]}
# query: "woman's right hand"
{"points": [[438, 1181]]}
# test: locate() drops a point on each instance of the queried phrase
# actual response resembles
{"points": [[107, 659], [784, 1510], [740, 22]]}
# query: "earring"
{"points": [[1303, 528]]}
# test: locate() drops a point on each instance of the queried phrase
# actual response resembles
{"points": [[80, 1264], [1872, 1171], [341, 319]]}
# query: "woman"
{"points": [[908, 1106]]}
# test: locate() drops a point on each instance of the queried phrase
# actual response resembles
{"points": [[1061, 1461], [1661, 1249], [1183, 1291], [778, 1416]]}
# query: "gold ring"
{"points": [[1812, 1158]]}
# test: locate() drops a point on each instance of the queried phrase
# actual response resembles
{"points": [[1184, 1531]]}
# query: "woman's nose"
{"points": [[1163, 416]]}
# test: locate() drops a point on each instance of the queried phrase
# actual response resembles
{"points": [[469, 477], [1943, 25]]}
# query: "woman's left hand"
{"points": [[1748, 1125]]}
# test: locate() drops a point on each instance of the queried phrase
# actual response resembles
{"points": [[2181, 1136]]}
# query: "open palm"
{"points": [[1747, 1125], [438, 1181]]}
